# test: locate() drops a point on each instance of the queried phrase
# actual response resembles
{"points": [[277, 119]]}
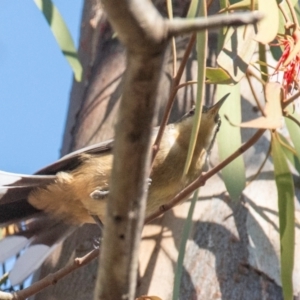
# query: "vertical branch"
{"points": [[126, 205], [117, 274]]}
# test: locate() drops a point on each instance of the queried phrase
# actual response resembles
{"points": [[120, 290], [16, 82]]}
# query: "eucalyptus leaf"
{"points": [[229, 139], [290, 154], [192, 12], [184, 238], [294, 131], [286, 211], [237, 51], [201, 57], [217, 76], [201, 46], [268, 26], [61, 34]]}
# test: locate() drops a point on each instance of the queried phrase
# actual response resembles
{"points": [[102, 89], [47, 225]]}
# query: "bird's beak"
{"points": [[215, 108]]}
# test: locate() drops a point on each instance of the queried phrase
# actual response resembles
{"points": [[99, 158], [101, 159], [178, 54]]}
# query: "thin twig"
{"points": [[287, 115], [173, 41], [285, 145], [173, 93], [178, 26], [209, 2], [290, 100], [260, 168], [186, 84], [250, 72], [284, 14], [293, 13], [174, 56], [252, 5], [254, 95], [51, 279]]}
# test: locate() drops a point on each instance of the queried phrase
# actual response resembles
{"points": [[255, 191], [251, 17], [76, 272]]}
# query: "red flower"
{"points": [[289, 62]]}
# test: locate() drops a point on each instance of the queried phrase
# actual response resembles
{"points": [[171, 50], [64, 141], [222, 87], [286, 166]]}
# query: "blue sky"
{"points": [[35, 82]]}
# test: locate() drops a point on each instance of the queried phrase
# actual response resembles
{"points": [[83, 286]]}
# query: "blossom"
{"points": [[289, 61]]}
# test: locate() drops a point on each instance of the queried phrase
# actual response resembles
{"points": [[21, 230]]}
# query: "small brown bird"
{"points": [[76, 187]]}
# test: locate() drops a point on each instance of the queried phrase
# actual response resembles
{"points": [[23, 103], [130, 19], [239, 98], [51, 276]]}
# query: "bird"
{"points": [[76, 187]]}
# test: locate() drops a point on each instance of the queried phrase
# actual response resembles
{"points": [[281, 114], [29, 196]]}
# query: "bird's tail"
{"points": [[14, 190], [37, 235], [36, 238]]}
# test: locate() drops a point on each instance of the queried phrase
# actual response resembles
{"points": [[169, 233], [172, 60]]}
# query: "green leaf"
{"points": [[192, 12], [234, 1], [290, 153], [61, 34], [229, 139], [294, 132], [201, 57], [201, 46], [184, 237], [217, 76], [286, 211]]}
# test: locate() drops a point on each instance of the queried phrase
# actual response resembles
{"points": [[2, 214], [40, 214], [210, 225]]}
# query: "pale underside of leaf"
{"points": [[237, 51], [268, 26], [273, 118]]}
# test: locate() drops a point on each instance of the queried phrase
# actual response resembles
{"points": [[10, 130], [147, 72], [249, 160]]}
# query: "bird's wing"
{"points": [[14, 189], [72, 159], [21, 180]]}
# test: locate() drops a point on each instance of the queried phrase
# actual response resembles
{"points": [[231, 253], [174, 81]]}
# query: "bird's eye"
{"points": [[204, 109], [191, 112], [217, 118]]}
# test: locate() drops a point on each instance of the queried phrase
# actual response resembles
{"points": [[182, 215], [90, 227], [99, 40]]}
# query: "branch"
{"points": [[51, 278], [174, 89], [134, 22], [179, 26]]}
